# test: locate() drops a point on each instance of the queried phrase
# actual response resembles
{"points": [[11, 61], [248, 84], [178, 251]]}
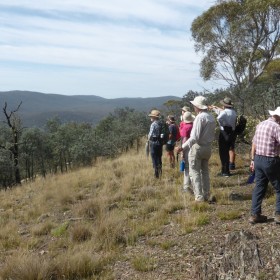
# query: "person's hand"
{"points": [[252, 166], [178, 150]]}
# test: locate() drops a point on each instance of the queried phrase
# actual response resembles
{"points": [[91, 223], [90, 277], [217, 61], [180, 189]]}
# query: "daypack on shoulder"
{"points": [[240, 125], [164, 132]]}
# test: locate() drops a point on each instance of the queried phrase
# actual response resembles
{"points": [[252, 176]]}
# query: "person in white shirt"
{"points": [[227, 121], [199, 146]]}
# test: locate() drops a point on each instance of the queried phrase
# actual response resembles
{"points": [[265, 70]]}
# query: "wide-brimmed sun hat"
{"points": [[275, 113], [186, 109], [227, 102], [154, 113], [171, 118], [188, 117], [200, 102]]}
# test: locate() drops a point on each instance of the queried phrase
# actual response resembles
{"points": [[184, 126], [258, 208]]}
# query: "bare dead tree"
{"points": [[14, 122]]}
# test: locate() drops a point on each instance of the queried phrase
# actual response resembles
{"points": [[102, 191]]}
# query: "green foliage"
{"points": [[63, 146], [60, 230], [7, 169], [238, 40]]}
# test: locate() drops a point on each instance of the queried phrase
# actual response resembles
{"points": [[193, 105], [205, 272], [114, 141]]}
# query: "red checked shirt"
{"points": [[267, 138]]}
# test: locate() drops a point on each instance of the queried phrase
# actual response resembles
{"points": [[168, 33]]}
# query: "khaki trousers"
{"points": [[187, 179], [199, 172]]}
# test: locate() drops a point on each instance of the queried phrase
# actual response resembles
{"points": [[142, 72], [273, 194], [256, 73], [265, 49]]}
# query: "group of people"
{"points": [[198, 133]]}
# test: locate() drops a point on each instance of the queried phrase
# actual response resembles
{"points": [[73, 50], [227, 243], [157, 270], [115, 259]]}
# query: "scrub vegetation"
{"points": [[115, 221]]}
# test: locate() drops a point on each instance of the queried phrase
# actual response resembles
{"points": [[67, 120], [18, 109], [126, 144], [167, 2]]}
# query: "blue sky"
{"points": [[109, 48]]}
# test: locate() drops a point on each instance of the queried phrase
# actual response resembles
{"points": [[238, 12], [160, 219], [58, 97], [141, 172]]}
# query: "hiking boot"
{"points": [[258, 218], [212, 199], [277, 218]]}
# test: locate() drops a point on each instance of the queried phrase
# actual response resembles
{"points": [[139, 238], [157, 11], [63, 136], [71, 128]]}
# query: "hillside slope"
{"points": [[38, 107], [115, 221]]}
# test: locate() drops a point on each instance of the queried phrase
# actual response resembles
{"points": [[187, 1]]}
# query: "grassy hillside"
{"points": [[115, 221], [38, 107]]}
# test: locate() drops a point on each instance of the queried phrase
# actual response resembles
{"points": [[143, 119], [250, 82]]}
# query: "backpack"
{"points": [[164, 132], [240, 125]]}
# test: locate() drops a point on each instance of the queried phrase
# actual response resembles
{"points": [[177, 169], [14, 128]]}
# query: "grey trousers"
{"points": [[198, 160]]}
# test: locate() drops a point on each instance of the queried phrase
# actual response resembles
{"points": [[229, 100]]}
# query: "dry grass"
{"points": [[72, 226]]}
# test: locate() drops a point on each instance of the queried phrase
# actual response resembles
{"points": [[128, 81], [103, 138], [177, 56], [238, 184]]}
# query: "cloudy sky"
{"points": [[109, 48]]}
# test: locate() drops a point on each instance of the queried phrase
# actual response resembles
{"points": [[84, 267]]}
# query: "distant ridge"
{"points": [[38, 107]]}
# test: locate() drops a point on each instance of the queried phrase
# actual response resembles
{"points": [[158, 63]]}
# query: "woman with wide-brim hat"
{"points": [[185, 132], [154, 143]]}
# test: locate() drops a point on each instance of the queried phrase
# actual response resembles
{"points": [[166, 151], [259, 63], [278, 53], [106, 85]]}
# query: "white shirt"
{"points": [[226, 117], [203, 131]]}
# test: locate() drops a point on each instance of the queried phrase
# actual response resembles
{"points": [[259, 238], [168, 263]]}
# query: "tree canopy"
{"points": [[238, 40]]}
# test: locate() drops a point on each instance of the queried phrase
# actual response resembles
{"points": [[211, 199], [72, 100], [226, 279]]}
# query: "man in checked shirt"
{"points": [[266, 163]]}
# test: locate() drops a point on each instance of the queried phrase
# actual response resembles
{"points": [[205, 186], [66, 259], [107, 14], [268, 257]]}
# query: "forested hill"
{"points": [[38, 107]]}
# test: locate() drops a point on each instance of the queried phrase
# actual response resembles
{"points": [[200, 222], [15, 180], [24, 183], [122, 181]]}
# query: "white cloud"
{"points": [[109, 48]]}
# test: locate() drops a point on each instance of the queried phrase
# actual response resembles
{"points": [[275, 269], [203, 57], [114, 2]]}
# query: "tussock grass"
{"points": [[43, 229], [166, 245], [65, 266], [110, 231], [81, 233], [90, 209], [74, 225], [200, 207], [229, 215], [190, 221], [143, 263]]}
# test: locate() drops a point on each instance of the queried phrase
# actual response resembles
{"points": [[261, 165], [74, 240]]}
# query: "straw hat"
{"points": [[226, 102], [188, 117], [154, 113], [200, 102], [275, 113]]}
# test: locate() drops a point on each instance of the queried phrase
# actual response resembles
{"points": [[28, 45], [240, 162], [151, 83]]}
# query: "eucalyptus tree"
{"points": [[35, 151], [61, 138], [238, 40], [173, 107], [6, 158], [120, 130], [83, 148]]}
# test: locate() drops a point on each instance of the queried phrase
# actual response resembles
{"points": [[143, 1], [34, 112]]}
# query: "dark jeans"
{"points": [[156, 154], [267, 169], [226, 140]]}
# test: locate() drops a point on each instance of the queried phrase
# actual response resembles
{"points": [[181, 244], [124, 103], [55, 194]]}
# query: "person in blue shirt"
{"points": [[155, 143]]}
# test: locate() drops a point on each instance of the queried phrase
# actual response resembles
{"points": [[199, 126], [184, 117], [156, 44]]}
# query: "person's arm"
{"points": [[152, 127], [253, 152], [195, 133], [217, 110]]}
